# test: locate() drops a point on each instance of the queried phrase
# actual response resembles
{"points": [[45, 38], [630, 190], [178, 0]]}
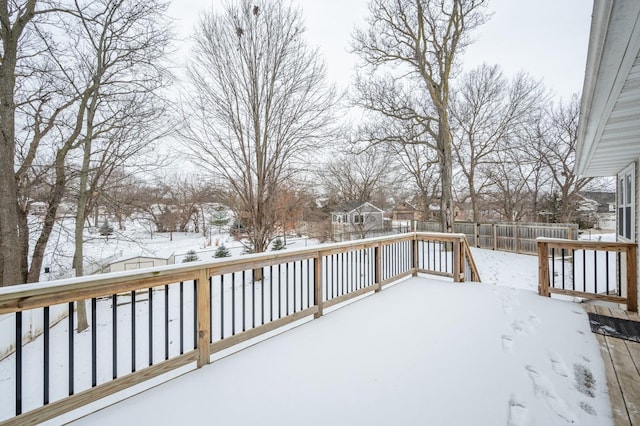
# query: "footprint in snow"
{"points": [[543, 388], [558, 364], [534, 318], [521, 328], [587, 408], [518, 413], [584, 381], [507, 343]]}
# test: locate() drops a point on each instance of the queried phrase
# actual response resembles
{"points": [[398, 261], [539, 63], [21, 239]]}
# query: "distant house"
{"points": [[357, 217], [405, 212], [600, 207]]}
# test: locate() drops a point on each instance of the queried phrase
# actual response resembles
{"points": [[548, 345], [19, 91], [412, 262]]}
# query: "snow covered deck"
{"points": [[423, 351]]}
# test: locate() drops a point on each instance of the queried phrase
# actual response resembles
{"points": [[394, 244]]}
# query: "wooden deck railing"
{"points": [[150, 322], [589, 269]]}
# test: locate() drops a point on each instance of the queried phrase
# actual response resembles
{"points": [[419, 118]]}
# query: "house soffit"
{"points": [[609, 132]]}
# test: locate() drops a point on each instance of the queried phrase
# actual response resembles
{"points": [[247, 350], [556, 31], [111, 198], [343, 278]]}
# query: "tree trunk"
{"points": [[446, 167], [81, 208], [10, 253]]}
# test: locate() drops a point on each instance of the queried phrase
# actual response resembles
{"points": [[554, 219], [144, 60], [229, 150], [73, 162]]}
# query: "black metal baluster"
{"points": [[279, 292], [573, 268], [19, 362], [244, 302], [45, 327], [94, 343], [133, 331], [308, 283], [562, 266], [211, 307], [114, 336], [270, 293], [150, 305], [195, 314], [181, 317], [71, 349], [553, 267], [428, 255], [262, 296], [166, 322], [222, 307], [253, 300]]}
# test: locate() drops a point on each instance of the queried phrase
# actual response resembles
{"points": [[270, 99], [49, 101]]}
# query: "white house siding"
{"points": [[637, 219]]}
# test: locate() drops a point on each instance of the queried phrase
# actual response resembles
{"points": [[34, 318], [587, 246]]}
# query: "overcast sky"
{"points": [[546, 38]]}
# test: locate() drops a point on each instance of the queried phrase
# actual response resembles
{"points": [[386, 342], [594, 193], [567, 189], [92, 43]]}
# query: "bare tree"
{"points": [[259, 105], [16, 45], [422, 39], [119, 46], [420, 167], [556, 148], [356, 176], [510, 176], [487, 110], [45, 105]]}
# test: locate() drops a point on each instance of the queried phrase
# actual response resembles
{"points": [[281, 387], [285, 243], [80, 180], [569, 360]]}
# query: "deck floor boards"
{"points": [[622, 365]]}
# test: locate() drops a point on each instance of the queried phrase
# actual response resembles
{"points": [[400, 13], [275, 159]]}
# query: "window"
{"points": [[358, 218], [626, 203]]}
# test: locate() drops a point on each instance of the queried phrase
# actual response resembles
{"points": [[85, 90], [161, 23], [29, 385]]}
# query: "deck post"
{"points": [[414, 246], [632, 278], [204, 317], [378, 266], [317, 284], [543, 269], [457, 261], [495, 236]]}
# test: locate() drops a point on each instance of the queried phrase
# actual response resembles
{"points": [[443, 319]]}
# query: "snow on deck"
{"points": [[423, 351]]}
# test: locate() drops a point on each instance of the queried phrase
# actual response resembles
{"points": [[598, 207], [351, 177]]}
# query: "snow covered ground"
{"points": [[136, 240], [424, 351]]}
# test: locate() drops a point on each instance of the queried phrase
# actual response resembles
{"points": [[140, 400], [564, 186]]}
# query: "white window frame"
{"points": [[626, 203]]}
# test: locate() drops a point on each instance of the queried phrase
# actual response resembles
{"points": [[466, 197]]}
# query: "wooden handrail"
{"points": [[545, 287], [19, 298]]}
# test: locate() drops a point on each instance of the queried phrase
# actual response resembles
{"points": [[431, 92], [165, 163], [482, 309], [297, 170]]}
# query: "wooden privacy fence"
{"points": [[589, 269], [516, 237], [150, 322]]}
